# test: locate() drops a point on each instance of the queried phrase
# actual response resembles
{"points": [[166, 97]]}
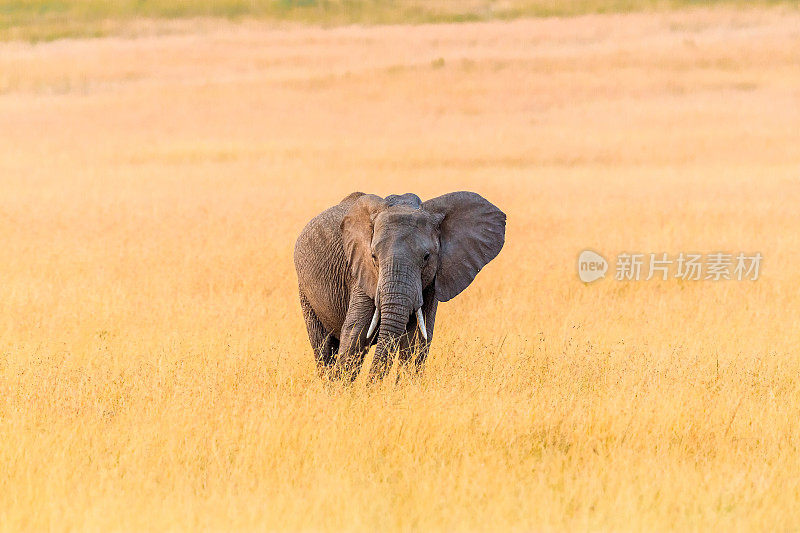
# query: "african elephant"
{"points": [[372, 263]]}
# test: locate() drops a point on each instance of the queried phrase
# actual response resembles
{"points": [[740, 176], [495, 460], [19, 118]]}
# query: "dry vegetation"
{"points": [[54, 19], [154, 367]]}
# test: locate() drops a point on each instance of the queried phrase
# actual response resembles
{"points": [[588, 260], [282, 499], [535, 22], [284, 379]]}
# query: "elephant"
{"points": [[383, 264]]}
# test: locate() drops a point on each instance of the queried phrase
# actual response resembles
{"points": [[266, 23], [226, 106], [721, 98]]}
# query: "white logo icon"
{"points": [[591, 266]]}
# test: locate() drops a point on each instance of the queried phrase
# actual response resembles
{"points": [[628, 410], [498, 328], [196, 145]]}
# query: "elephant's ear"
{"points": [[472, 232], [357, 240]]}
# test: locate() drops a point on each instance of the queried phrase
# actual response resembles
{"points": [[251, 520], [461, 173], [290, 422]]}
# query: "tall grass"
{"points": [[155, 372]]}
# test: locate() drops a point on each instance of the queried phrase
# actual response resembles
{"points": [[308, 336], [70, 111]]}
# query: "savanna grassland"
{"points": [[37, 20], [155, 372]]}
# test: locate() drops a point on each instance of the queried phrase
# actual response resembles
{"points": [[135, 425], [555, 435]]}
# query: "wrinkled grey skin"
{"points": [[398, 252]]}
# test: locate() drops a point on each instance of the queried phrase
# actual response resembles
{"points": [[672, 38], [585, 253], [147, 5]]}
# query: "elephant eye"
{"points": [[374, 259], [427, 255]]}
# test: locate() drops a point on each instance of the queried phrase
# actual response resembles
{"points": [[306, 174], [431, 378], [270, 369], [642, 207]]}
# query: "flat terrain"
{"points": [[154, 368], [38, 20]]}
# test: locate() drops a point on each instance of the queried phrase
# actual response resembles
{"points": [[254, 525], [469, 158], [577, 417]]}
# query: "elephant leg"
{"points": [[323, 343], [354, 342], [413, 348]]}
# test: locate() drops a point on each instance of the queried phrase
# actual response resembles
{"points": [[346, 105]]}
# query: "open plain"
{"points": [[155, 372]]}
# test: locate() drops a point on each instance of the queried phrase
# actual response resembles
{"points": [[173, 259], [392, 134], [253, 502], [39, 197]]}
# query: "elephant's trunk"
{"points": [[395, 313], [399, 296]]}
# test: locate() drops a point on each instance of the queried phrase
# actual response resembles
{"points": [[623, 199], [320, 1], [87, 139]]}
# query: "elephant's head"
{"points": [[398, 246]]}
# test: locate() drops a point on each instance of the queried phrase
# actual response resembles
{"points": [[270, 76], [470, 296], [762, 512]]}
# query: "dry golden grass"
{"points": [[154, 367]]}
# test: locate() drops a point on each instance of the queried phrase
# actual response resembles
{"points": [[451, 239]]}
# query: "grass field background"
{"points": [[154, 367], [54, 19]]}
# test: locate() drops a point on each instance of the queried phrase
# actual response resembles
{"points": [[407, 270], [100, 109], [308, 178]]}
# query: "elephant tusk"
{"points": [[373, 324], [421, 324]]}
